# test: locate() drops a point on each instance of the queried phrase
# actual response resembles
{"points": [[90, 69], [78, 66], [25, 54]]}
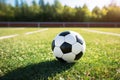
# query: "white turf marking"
{"points": [[100, 32], [10, 36], [36, 31]]}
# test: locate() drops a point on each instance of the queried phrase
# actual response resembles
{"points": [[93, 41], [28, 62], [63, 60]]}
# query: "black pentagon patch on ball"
{"points": [[53, 45], [79, 40], [66, 47], [64, 33], [78, 56], [60, 59]]}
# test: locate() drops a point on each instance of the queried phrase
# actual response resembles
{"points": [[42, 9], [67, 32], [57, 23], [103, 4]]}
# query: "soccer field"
{"points": [[28, 56]]}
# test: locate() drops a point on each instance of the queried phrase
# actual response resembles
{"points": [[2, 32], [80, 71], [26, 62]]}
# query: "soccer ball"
{"points": [[68, 46]]}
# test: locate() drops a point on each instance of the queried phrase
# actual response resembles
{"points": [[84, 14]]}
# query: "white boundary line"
{"points": [[11, 36], [27, 33], [101, 32]]}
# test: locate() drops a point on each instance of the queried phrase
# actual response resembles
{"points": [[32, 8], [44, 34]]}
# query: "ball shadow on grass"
{"points": [[40, 71]]}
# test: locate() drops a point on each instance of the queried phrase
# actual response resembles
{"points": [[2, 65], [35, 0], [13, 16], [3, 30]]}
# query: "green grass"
{"points": [[11, 31], [29, 57], [115, 30]]}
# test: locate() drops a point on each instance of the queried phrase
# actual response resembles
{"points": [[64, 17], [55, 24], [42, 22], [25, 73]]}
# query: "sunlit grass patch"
{"points": [[29, 57], [112, 30], [11, 31]]}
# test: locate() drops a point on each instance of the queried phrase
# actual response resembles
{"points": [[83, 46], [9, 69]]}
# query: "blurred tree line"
{"points": [[56, 12]]}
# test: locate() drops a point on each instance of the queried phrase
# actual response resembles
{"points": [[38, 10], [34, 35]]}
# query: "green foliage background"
{"points": [[56, 12]]}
